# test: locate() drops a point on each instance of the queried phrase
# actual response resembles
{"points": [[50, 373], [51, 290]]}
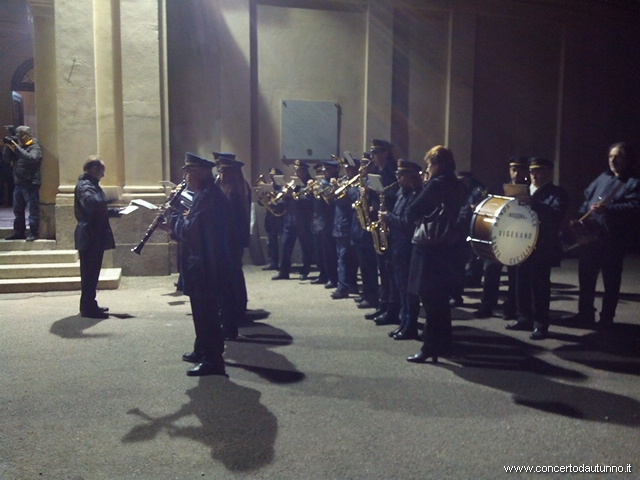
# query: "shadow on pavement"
{"points": [[239, 430], [506, 364]]}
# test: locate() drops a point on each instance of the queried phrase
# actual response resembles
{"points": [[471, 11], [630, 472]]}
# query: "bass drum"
{"points": [[504, 230]]}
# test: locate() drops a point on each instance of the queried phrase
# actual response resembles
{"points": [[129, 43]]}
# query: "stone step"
{"points": [[17, 257], [22, 245], [109, 280], [43, 270]]}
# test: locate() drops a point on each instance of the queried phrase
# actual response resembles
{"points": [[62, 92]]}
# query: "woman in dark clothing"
{"points": [[433, 273]]}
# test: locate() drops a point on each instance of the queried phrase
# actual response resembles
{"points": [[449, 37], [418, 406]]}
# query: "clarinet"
{"points": [[172, 201]]}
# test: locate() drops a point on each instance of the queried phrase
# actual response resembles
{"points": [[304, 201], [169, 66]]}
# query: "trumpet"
{"points": [[267, 198], [173, 200], [342, 189], [311, 187], [287, 189]]}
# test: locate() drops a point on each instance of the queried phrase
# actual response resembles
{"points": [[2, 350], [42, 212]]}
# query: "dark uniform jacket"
{"points": [[620, 220], [91, 211], [400, 230], [204, 235], [550, 203], [26, 162]]}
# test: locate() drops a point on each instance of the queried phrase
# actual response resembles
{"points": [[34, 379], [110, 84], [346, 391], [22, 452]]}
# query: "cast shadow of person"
{"points": [[75, 326], [240, 431], [253, 352], [615, 349], [504, 363]]}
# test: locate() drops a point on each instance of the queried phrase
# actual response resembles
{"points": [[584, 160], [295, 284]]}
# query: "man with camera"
{"points": [[24, 154]]}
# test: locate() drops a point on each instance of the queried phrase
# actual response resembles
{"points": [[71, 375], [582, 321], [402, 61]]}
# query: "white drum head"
{"points": [[514, 233]]}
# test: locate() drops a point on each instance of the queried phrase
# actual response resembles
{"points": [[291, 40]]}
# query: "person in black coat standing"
{"points": [[25, 157], [533, 277], [433, 274], [205, 233], [93, 233]]}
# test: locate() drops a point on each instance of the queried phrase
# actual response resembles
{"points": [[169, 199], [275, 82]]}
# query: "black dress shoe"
{"points": [[330, 285], [193, 357], [94, 314], [337, 295], [304, 276], [520, 326], [387, 319], [207, 368], [367, 304], [373, 315], [280, 276], [539, 334], [422, 357], [32, 238], [406, 334], [392, 333], [103, 309]]}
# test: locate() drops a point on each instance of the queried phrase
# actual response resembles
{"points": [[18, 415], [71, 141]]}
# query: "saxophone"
{"points": [[361, 206], [378, 229]]}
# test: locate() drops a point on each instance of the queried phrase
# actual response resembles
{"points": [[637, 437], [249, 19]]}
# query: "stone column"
{"points": [[46, 107], [379, 63], [459, 112]]}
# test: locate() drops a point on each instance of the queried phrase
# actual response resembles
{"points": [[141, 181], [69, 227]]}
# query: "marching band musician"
{"points": [[238, 193], [297, 226], [322, 226], [273, 225], [533, 277], [400, 235], [362, 241], [613, 199], [341, 231], [382, 156], [518, 175], [204, 232]]}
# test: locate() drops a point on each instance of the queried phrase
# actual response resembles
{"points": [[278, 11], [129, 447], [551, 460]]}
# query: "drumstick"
{"points": [[603, 201]]}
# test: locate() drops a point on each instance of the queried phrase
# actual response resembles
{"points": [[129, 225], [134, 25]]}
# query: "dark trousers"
{"points": [[347, 265], [289, 237], [409, 304], [438, 335], [206, 321], [26, 197], [609, 260], [273, 226], [327, 260], [90, 265], [368, 262], [491, 286], [533, 286], [234, 305], [389, 295]]}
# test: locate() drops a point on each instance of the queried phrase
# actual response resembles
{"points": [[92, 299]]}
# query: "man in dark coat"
{"points": [[533, 278], [238, 193], [204, 232], [25, 157], [400, 235], [611, 208], [93, 233], [297, 226]]}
